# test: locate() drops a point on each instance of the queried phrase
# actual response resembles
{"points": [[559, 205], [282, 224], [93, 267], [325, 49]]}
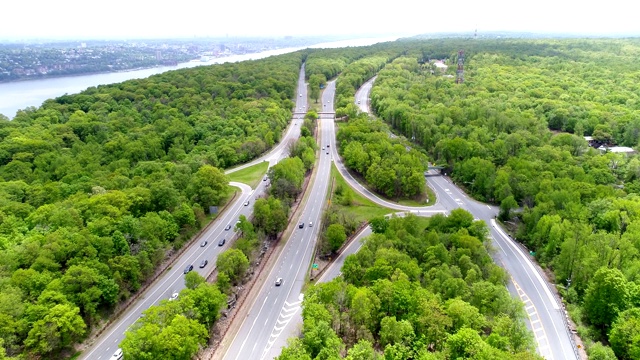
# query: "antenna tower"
{"points": [[460, 72]]}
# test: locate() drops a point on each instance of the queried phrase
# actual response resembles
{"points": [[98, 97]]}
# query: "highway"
{"points": [[171, 281], [275, 306], [546, 318]]}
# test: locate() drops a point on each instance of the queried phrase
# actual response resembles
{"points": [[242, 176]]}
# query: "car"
{"points": [[300, 95], [246, 203], [204, 243], [327, 145], [264, 178], [174, 296], [327, 153], [278, 281], [227, 228], [358, 101], [310, 224], [323, 148], [221, 242], [117, 355], [188, 268], [301, 225], [203, 263]]}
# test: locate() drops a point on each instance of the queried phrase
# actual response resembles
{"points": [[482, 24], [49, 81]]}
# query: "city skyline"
{"points": [[119, 19]]}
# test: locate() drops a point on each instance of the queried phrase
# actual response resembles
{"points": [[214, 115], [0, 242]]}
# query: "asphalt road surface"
{"points": [[545, 317], [275, 306], [172, 280]]}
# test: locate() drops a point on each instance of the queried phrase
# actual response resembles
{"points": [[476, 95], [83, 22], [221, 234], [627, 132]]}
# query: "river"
{"points": [[22, 94]]}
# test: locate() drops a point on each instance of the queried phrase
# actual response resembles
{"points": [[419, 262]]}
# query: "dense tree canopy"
{"points": [[422, 288], [512, 134], [96, 187]]}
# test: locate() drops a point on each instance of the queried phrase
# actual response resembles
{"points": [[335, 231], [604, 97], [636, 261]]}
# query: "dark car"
{"points": [[301, 225], [227, 228], [204, 243], [188, 268], [204, 263], [327, 153], [264, 178], [221, 242]]}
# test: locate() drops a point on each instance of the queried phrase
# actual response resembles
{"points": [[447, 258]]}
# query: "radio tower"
{"points": [[460, 72]]}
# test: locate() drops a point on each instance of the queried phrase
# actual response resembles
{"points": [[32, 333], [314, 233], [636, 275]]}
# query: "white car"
{"points": [[174, 296], [310, 224], [117, 355], [278, 281], [300, 95]]}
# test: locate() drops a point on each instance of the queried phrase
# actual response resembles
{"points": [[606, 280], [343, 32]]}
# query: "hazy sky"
{"points": [[187, 18]]}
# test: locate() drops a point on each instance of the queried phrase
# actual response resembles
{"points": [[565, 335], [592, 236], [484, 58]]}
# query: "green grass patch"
{"points": [[426, 199], [251, 175], [351, 201]]}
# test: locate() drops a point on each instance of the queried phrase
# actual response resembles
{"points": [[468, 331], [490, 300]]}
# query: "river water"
{"points": [[19, 95]]}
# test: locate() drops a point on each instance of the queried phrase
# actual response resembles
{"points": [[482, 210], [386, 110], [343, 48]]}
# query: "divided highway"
{"points": [[545, 317], [172, 280], [275, 305]]}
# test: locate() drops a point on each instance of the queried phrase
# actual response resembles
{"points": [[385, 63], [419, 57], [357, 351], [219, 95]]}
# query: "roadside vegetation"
{"points": [[418, 289], [512, 134], [97, 187]]}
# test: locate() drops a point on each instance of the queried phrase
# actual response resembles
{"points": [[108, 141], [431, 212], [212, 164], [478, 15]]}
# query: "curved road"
{"points": [[527, 284], [546, 317], [171, 281]]}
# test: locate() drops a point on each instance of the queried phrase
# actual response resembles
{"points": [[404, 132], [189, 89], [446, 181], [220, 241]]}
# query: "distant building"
{"points": [[617, 149], [439, 64]]}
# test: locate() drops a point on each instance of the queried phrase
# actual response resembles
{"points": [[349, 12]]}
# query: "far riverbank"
{"points": [[22, 94]]}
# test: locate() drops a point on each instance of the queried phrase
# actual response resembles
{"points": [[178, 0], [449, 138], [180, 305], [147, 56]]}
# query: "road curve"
{"points": [[547, 319], [545, 316], [170, 281]]}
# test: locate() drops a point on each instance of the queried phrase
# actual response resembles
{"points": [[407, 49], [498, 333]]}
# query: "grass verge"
{"points": [[346, 199], [251, 175]]}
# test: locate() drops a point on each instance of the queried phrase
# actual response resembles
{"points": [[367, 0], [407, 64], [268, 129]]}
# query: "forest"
{"points": [[512, 134], [417, 289], [96, 188]]}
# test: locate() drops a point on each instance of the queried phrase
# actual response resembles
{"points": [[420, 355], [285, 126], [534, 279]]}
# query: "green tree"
{"points": [[294, 351], [395, 332], [233, 263], [182, 339], [320, 341], [598, 351], [208, 186], [625, 334], [335, 236], [606, 296], [270, 215], [464, 315], [192, 279], [465, 344], [362, 350], [506, 205], [59, 328]]}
